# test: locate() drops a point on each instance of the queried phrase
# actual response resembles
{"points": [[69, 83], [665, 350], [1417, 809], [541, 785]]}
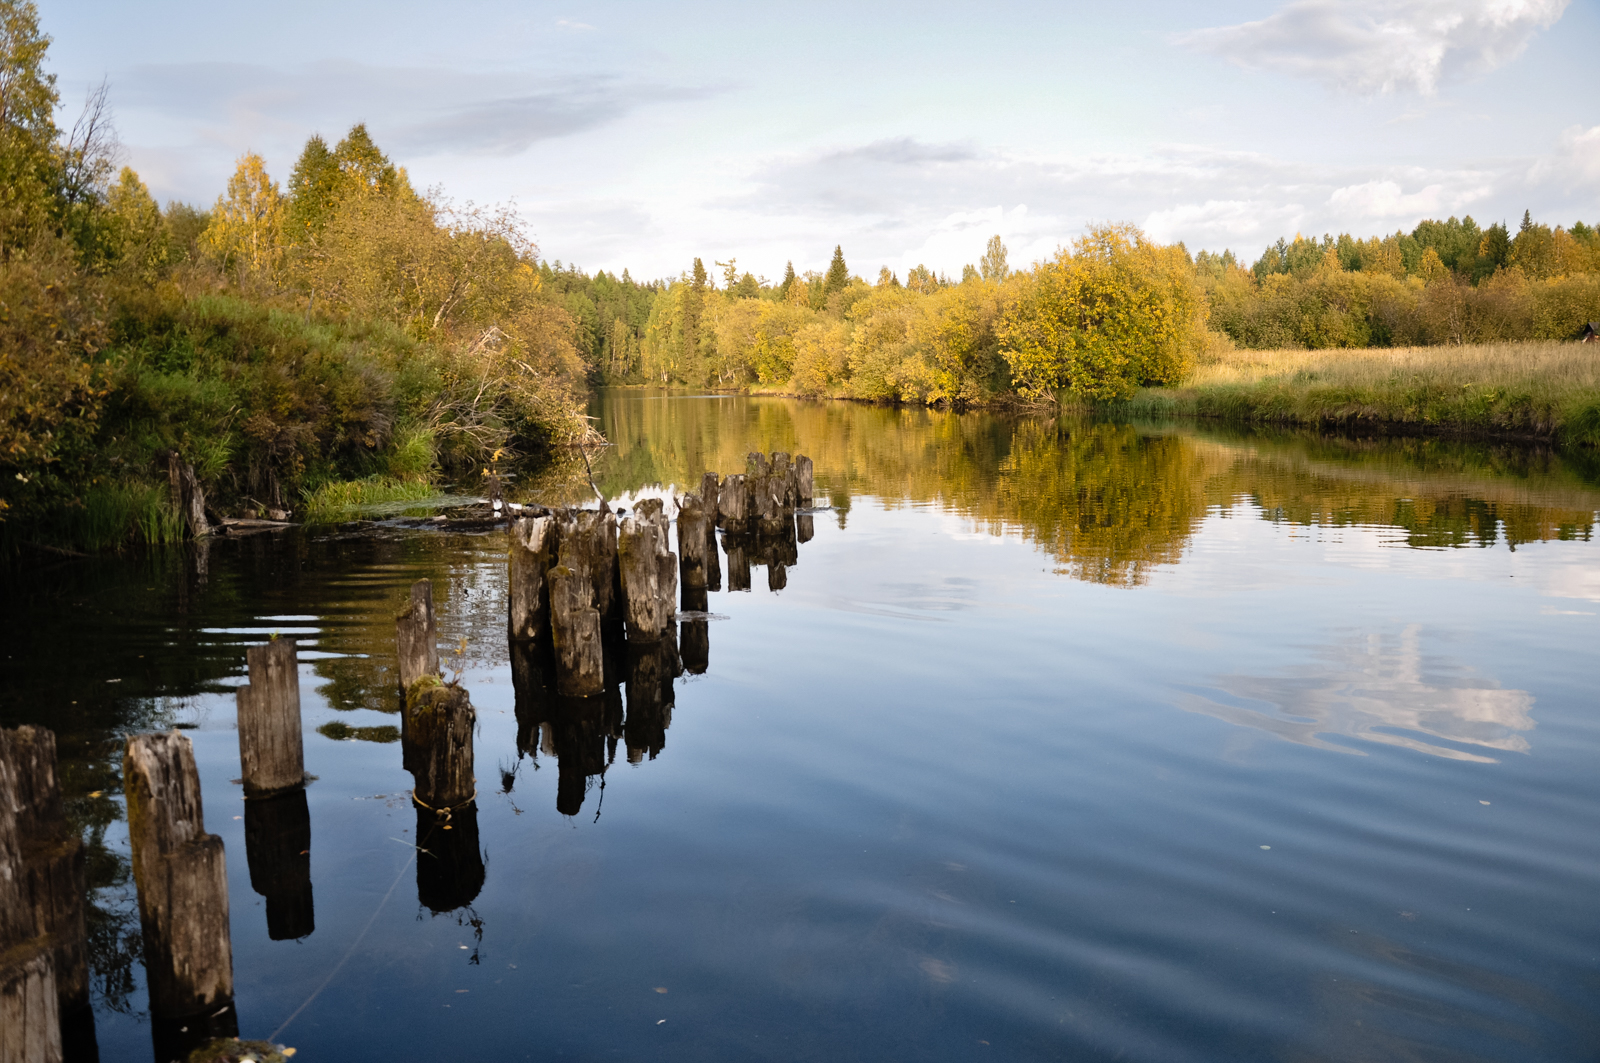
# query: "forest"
{"points": [[342, 336]]}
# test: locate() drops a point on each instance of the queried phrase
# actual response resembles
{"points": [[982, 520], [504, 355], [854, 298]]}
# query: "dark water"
{"points": [[1062, 741]]}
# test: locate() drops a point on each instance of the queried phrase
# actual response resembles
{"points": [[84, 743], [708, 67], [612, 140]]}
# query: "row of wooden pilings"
{"points": [[581, 581], [582, 578]]}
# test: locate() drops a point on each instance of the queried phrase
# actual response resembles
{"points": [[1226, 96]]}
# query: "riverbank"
{"points": [[1541, 391]]}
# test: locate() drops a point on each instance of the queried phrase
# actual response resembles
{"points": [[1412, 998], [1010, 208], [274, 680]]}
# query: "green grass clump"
{"points": [[340, 501]]}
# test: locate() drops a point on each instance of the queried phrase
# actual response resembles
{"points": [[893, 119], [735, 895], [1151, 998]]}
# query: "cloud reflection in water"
{"points": [[1370, 687]]}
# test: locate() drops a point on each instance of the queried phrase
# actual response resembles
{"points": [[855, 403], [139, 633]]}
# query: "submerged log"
{"points": [[534, 545], [182, 879], [270, 746], [417, 636], [440, 720], [692, 547], [277, 845], [805, 486]]}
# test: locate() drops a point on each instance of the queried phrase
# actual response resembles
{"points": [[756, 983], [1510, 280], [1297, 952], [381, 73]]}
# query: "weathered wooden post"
{"points": [[534, 545], [736, 543], [732, 502], [270, 747], [708, 495], [182, 881], [805, 528], [649, 572], [805, 486], [277, 845], [440, 720], [44, 974], [777, 576], [692, 548], [575, 632], [785, 487], [758, 488], [599, 530], [696, 646], [417, 636]]}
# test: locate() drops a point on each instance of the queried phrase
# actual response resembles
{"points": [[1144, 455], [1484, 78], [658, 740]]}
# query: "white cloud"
{"points": [[1373, 46], [1387, 199], [1576, 160]]}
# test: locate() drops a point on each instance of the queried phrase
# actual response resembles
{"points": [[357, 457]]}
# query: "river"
{"points": [[1056, 740]]}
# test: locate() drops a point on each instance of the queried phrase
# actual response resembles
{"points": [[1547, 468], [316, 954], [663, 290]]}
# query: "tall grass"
{"points": [[1543, 390], [340, 501]]}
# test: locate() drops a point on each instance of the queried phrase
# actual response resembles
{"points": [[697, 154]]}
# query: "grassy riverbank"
{"points": [[1541, 391]]}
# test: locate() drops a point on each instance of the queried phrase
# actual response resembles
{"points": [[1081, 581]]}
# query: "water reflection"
{"points": [[277, 840], [1368, 687], [1109, 502]]}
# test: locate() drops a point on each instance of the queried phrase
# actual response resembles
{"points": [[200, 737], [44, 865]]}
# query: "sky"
{"points": [[643, 135]]}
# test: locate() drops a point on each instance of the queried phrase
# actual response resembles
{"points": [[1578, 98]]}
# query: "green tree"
{"points": [[136, 236], [788, 281], [837, 277], [313, 191]]}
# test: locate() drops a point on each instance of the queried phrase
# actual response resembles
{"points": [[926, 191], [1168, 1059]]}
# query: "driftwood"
{"points": [[182, 881], [417, 636], [187, 498], [270, 746]]}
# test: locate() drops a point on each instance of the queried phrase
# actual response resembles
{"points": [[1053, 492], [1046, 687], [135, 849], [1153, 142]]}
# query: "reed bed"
{"points": [[1542, 390]]}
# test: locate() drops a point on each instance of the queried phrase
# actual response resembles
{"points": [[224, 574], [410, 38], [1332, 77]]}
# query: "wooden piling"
{"points": [[30, 1004], [732, 502], [417, 636], [441, 720], [277, 846], [696, 642], [450, 871], [805, 485], [692, 546], [651, 670], [785, 486], [708, 495], [737, 546], [649, 573], [52, 863], [575, 632], [534, 546], [270, 746], [182, 879], [805, 527]]}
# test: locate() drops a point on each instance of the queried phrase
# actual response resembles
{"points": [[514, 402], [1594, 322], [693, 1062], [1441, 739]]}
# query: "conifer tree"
{"points": [[838, 277], [313, 190], [788, 280]]}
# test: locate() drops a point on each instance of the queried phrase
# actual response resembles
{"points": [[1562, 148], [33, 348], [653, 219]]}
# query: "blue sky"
{"points": [[641, 135]]}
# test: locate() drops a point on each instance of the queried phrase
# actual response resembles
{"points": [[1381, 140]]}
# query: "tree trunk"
{"points": [[187, 498]]}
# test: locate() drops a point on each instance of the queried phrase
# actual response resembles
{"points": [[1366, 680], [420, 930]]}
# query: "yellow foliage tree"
{"points": [[1115, 312], [246, 230]]}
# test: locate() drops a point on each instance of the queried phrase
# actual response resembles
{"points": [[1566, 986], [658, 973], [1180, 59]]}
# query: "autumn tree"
{"points": [[993, 263], [246, 229]]}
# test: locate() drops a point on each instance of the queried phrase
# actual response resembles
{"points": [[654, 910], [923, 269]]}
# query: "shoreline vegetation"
{"points": [[343, 340]]}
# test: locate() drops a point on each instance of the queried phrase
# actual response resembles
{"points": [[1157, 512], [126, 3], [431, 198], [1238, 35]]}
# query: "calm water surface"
{"points": [[1060, 741]]}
